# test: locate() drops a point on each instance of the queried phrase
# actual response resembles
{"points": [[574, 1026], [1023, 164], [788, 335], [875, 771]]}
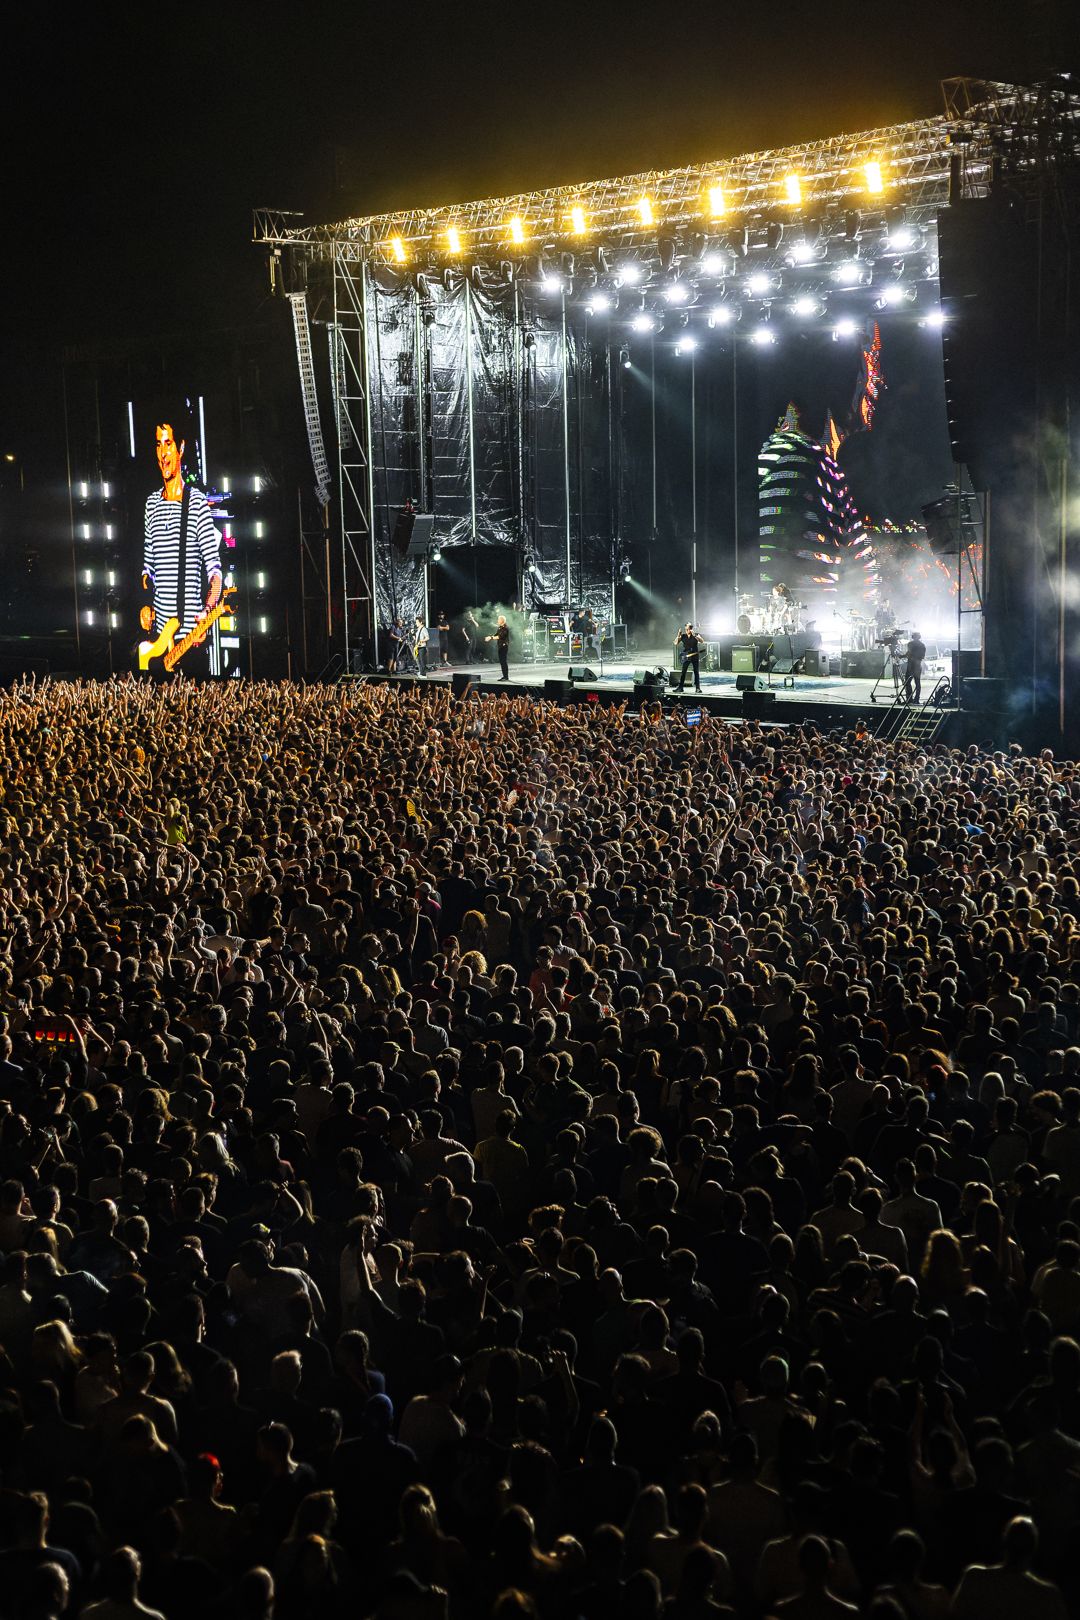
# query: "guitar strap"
{"points": [[181, 575]]}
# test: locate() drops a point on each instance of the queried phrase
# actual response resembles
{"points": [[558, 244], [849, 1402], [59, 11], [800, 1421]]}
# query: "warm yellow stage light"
{"points": [[645, 211], [517, 230], [453, 239], [717, 204], [398, 249], [874, 181], [793, 188], [577, 220]]}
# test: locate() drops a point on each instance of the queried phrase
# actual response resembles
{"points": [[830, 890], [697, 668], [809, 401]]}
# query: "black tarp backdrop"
{"points": [[1013, 368], [511, 416]]}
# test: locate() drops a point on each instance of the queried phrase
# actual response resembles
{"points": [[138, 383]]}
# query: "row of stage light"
{"points": [[643, 213]]}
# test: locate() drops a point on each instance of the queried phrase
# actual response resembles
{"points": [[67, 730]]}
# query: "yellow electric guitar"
{"points": [[167, 651]]}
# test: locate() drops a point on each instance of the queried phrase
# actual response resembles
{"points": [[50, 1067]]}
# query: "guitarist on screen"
{"points": [[181, 573]]}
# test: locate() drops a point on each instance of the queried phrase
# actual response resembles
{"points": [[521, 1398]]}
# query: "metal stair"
{"points": [[302, 329], [918, 723]]}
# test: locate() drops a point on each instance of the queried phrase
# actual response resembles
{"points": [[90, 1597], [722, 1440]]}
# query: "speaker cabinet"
{"points": [[461, 684], [743, 660]]}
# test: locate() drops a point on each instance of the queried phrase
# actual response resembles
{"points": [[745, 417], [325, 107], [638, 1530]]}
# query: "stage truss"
{"points": [[792, 211]]}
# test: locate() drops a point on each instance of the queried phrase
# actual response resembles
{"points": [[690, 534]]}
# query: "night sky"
{"points": [[139, 137]]}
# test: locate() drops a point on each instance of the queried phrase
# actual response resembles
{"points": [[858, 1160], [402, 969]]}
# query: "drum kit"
{"points": [[769, 616]]}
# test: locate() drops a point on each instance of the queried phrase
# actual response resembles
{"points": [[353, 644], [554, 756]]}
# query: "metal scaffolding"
{"points": [[754, 209]]}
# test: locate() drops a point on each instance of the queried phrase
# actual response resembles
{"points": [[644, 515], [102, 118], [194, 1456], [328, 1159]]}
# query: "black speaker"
{"points": [[420, 539], [815, 662], [970, 662], [461, 684], [758, 705], [403, 528], [984, 693], [558, 691], [749, 683], [580, 672]]}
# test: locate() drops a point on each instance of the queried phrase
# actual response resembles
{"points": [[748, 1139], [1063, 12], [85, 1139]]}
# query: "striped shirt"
{"points": [[161, 558]]}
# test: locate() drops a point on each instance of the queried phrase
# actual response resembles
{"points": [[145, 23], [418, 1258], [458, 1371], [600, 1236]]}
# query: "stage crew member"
{"points": [[916, 652]]}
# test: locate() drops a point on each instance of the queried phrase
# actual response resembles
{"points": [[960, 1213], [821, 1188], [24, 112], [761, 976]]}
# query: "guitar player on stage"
{"points": [[181, 573]]}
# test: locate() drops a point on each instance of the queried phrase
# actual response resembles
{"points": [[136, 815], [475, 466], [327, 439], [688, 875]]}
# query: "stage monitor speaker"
{"points": [[743, 660], [815, 662], [758, 705], [580, 672], [749, 683], [558, 691], [461, 684], [784, 666]]}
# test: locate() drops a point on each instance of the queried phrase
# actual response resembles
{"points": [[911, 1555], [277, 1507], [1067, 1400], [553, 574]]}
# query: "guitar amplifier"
{"points": [[744, 660]]}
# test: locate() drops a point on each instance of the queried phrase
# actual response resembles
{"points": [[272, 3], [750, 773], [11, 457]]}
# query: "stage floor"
{"points": [[618, 679]]}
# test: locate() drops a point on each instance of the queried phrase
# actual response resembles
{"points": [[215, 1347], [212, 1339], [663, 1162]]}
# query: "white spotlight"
{"points": [[758, 284], [764, 337], [722, 315], [677, 293], [848, 273], [598, 303], [845, 328], [893, 294], [901, 237], [686, 345], [642, 323], [936, 318], [805, 308], [550, 284], [629, 274], [802, 251], [714, 264]]}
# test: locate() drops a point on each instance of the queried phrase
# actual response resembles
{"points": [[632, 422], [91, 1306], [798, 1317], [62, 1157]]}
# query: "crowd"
{"points": [[487, 1159]]}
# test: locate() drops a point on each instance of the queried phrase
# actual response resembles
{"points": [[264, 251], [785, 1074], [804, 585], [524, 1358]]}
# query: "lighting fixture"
{"points": [[453, 239], [714, 264], [935, 318], [598, 303], [624, 358], [892, 294], [717, 202], [517, 230], [722, 315], [875, 184], [629, 274], [845, 328], [764, 337], [397, 248], [577, 220], [806, 307], [677, 293], [793, 189], [645, 211], [686, 344], [758, 284], [550, 284], [848, 272], [901, 236], [642, 322], [803, 251]]}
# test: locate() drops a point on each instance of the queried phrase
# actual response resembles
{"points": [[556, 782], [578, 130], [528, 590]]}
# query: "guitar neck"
{"points": [[197, 633]]}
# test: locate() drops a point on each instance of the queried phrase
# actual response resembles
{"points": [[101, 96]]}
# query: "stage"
{"points": [[826, 700]]}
